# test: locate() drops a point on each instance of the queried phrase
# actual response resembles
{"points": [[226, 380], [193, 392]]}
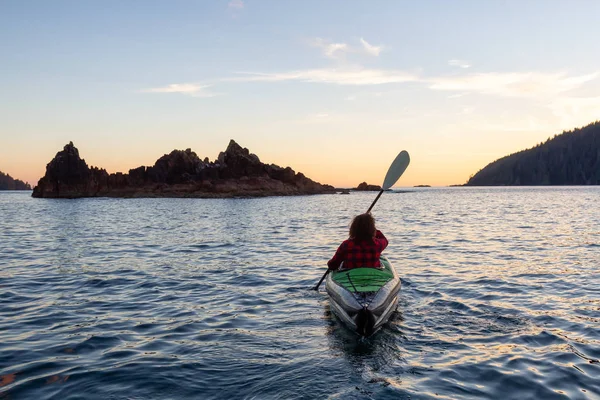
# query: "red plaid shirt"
{"points": [[357, 254]]}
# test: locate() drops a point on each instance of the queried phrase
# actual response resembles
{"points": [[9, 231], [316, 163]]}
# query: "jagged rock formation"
{"points": [[7, 182], [571, 158], [366, 187], [236, 173]]}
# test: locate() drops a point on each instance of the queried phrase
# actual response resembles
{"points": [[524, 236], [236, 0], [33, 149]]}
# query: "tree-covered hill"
{"points": [[571, 158], [8, 183]]}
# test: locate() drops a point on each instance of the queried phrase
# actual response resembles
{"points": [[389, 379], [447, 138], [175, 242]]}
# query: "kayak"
{"points": [[364, 298]]}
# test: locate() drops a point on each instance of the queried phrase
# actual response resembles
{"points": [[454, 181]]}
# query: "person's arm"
{"points": [[381, 240], [338, 257]]}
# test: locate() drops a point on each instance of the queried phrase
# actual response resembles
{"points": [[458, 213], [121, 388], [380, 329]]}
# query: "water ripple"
{"points": [[208, 298]]}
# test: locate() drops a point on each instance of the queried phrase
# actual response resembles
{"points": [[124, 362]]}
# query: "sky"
{"points": [[333, 89]]}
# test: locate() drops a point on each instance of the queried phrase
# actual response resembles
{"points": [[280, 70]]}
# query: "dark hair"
{"points": [[362, 227]]}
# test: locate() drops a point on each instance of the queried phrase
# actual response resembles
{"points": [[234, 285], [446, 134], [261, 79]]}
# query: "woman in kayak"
{"points": [[362, 248]]}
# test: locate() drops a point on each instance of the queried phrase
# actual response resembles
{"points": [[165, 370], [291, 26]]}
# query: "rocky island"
{"points": [[365, 187], [235, 173], [7, 182]]}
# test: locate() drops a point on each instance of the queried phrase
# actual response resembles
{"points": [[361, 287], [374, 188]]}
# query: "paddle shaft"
{"points": [[375, 201], [323, 277]]}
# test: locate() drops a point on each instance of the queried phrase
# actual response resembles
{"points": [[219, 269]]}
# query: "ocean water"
{"points": [[210, 298]]}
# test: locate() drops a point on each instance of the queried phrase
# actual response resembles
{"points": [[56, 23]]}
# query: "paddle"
{"points": [[394, 173]]}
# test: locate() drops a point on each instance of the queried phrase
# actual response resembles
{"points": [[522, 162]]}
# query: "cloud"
{"points": [[337, 76], [459, 63], [370, 49], [336, 51], [514, 84], [191, 89], [331, 50], [235, 5], [547, 89], [575, 111]]}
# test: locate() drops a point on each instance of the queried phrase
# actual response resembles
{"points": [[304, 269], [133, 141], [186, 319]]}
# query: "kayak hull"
{"points": [[364, 298]]}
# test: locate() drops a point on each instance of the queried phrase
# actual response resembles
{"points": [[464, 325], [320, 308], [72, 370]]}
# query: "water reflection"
{"points": [[376, 362]]}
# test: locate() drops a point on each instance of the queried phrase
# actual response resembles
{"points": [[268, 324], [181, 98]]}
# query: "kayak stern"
{"points": [[364, 298]]}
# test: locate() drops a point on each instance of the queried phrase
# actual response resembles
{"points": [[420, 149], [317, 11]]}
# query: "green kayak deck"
{"points": [[358, 280]]}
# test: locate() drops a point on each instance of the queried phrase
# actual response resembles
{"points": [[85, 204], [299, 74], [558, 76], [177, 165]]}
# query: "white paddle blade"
{"points": [[396, 170]]}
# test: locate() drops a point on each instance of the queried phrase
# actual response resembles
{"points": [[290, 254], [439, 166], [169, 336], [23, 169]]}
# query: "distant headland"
{"points": [[571, 158], [7, 182], [235, 173]]}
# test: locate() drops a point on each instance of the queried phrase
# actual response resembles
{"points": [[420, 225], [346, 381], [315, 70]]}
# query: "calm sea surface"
{"points": [[202, 299]]}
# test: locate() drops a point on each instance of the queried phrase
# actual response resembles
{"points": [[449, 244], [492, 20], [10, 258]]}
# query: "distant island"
{"points": [[364, 186], [235, 173], [422, 186], [7, 182], [571, 158]]}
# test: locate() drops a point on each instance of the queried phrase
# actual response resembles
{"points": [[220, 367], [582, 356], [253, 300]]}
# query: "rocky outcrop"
{"points": [[366, 187], [235, 173], [7, 182]]}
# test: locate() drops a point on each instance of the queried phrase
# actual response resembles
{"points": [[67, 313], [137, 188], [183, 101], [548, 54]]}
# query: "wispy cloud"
{"points": [[338, 76], [331, 50], [516, 84], [459, 63], [370, 49], [235, 5], [191, 89], [575, 111], [543, 87], [336, 50]]}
